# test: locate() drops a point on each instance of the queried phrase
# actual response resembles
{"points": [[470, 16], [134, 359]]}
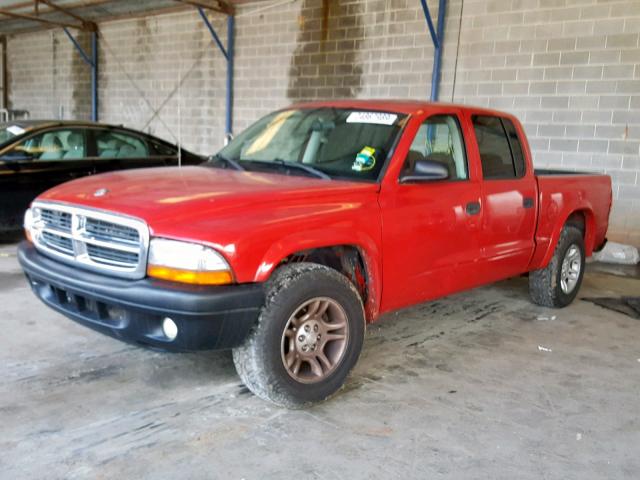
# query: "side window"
{"points": [[439, 139], [164, 150], [501, 155], [111, 144], [68, 144], [516, 147]]}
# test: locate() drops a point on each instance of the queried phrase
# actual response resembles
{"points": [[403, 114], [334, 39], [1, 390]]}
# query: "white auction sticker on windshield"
{"points": [[378, 118], [16, 129]]}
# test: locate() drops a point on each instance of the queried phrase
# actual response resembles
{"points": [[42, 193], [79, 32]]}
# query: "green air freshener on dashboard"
{"points": [[365, 160]]}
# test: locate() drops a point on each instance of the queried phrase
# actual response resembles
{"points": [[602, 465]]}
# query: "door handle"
{"points": [[527, 202], [473, 208]]}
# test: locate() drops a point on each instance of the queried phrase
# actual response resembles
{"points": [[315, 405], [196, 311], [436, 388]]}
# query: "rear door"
{"points": [[508, 197], [120, 149]]}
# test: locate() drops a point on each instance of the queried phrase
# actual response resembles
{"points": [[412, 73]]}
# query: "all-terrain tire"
{"points": [[260, 361], [545, 284]]}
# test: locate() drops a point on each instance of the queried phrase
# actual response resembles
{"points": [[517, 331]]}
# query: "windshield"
{"points": [[8, 131], [322, 142]]}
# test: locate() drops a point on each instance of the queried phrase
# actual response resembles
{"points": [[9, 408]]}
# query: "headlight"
{"points": [[30, 218], [187, 263]]}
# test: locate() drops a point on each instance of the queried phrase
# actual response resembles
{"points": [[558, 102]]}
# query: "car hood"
{"points": [[181, 196]]}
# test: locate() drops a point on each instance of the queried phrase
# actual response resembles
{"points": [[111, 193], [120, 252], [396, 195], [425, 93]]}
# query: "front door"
{"points": [[39, 163], [431, 229]]}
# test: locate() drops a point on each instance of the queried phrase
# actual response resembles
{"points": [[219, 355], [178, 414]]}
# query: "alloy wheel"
{"points": [[315, 340]]}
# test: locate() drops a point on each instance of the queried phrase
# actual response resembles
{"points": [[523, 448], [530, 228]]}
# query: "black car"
{"points": [[36, 155]]}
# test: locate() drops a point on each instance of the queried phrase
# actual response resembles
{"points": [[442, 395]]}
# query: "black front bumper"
{"points": [[133, 310]]}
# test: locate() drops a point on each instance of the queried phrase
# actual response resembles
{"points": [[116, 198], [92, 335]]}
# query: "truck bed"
{"points": [[545, 172], [562, 192]]}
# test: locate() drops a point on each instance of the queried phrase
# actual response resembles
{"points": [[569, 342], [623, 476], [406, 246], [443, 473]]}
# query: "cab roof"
{"points": [[33, 124], [407, 107]]}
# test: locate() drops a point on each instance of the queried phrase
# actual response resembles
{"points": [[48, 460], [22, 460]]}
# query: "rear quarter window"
{"points": [[114, 144], [516, 147], [500, 148], [161, 149]]}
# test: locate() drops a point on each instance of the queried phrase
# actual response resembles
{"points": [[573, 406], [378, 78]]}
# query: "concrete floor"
{"points": [[479, 385]]}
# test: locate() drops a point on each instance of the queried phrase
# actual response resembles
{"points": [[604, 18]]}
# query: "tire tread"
{"points": [[250, 357], [543, 285]]}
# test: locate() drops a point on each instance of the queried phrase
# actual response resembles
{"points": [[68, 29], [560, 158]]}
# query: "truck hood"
{"points": [[180, 196]]}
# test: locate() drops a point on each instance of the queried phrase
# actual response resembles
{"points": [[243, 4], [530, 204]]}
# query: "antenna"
{"points": [[180, 113]]}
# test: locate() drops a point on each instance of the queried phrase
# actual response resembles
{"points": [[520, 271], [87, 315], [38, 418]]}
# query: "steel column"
{"points": [[93, 63], [4, 95], [94, 76], [228, 54], [438, 43]]}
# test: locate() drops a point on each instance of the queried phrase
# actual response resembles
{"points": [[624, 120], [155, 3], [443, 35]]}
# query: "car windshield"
{"points": [[8, 131], [322, 142]]}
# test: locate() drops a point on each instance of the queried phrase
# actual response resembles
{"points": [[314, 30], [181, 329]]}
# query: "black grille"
{"points": [[57, 242], [91, 310], [109, 232], [57, 220], [110, 256]]}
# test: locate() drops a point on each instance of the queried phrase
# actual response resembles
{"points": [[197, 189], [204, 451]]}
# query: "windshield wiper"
{"points": [[300, 166], [232, 163]]}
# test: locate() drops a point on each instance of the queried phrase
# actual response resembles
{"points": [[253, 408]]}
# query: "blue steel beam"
{"points": [[94, 76], [437, 61], [432, 30], [93, 64], [82, 53], [438, 41], [212, 30], [228, 54]]}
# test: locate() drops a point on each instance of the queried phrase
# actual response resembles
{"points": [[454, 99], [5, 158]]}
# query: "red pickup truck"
{"points": [[312, 222]]}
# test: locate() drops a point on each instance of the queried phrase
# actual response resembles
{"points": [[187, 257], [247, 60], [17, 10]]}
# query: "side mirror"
{"points": [[425, 171]]}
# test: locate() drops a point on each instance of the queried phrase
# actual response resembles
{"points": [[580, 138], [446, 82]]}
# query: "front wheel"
{"points": [[558, 283], [307, 339]]}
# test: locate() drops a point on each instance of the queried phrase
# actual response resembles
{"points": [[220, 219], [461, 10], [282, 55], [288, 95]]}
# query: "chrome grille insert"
{"points": [[108, 230], [110, 256], [58, 242], [57, 219], [96, 240]]}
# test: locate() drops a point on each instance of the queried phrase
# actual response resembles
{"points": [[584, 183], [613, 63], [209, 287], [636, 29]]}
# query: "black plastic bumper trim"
{"points": [[133, 310]]}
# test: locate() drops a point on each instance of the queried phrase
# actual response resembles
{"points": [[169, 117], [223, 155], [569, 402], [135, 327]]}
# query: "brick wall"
{"points": [[3, 87], [570, 69]]}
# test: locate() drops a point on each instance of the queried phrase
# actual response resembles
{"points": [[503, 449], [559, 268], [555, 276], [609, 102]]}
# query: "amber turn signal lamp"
{"points": [[222, 277]]}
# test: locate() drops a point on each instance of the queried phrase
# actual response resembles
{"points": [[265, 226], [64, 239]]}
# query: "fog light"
{"points": [[169, 328]]}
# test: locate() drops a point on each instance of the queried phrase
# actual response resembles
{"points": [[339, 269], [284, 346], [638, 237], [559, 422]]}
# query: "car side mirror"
{"points": [[425, 171]]}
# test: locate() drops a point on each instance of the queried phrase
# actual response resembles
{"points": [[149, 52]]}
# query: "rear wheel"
{"points": [[558, 284], [307, 339]]}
